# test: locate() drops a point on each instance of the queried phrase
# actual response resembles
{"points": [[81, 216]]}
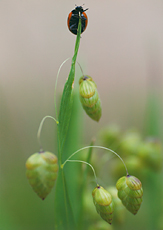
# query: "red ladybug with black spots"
{"points": [[73, 19]]}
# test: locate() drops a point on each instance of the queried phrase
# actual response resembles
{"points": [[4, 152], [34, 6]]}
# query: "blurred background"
{"points": [[121, 49]]}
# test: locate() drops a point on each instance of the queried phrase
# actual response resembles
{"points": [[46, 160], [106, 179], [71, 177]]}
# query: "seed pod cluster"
{"points": [[130, 192], [89, 97], [130, 142], [150, 153], [110, 136], [41, 172], [103, 203]]}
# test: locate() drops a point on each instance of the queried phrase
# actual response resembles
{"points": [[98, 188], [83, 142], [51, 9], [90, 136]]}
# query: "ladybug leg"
{"points": [[83, 18], [85, 9], [73, 27], [83, 27]]}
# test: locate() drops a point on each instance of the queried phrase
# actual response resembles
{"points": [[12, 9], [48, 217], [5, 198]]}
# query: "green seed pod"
{"points": [[103, 203], [89, 97], [130, 192], [41, 172]]}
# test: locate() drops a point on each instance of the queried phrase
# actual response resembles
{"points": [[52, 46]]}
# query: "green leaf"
{"points": [[74, 170], [67, 99], [63, 212], [64, 218]]}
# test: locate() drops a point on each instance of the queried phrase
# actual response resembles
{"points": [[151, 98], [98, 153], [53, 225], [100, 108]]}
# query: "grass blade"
{"points": [[63, 211]]}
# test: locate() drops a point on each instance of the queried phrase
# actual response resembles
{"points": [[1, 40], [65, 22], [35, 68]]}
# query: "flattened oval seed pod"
{"points": [[41, 172], [130, 192], [89, 97], [103, 203]]}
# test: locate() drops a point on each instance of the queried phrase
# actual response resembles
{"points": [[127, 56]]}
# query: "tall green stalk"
{"points": [[64, 218]]}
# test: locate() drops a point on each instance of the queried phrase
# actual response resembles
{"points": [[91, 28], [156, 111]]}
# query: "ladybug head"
{"points": [[80, 9]]}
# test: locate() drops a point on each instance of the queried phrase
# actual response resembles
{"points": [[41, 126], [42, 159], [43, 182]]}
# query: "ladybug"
{"points": [[73, 19]]}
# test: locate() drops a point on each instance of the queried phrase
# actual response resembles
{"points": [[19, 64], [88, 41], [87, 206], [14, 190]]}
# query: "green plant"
{"points": [[42, 166]]}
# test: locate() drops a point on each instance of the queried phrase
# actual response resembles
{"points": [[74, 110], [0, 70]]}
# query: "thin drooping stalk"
{"points": [[100, 147], [55, 90], [40, 128], [84, 162]]}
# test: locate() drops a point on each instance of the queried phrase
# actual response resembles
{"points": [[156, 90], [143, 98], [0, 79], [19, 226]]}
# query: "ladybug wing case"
{"points": [[73, 21]]}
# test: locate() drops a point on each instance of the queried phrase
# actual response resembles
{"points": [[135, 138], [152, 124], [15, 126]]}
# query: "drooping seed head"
{"points": [[103, 203], [89, 97], [130, 192], [41, 172]]}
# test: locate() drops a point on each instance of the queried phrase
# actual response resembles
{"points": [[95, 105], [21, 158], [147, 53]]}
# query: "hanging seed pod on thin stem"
{"points": [[103, 203], [41, 172], [130, 192], [89, 97]]}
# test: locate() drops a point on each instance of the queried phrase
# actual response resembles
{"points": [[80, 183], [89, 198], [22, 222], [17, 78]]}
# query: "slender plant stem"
{"points": [[55, 90], [40, 128], [67, 99], [79, 161], [100, 147], [81, 69]]}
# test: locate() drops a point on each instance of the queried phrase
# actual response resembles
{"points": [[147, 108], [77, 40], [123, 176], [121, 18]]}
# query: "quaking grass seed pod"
{"points": [[41, 172], [130, 192], [103, 203], [89, 97]]}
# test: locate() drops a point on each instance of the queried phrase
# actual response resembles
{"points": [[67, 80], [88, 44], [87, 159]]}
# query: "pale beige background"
{"points": [[122, 48]]}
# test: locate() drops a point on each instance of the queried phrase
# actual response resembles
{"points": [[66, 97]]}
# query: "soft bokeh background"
{"points": [[121, 49]]}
